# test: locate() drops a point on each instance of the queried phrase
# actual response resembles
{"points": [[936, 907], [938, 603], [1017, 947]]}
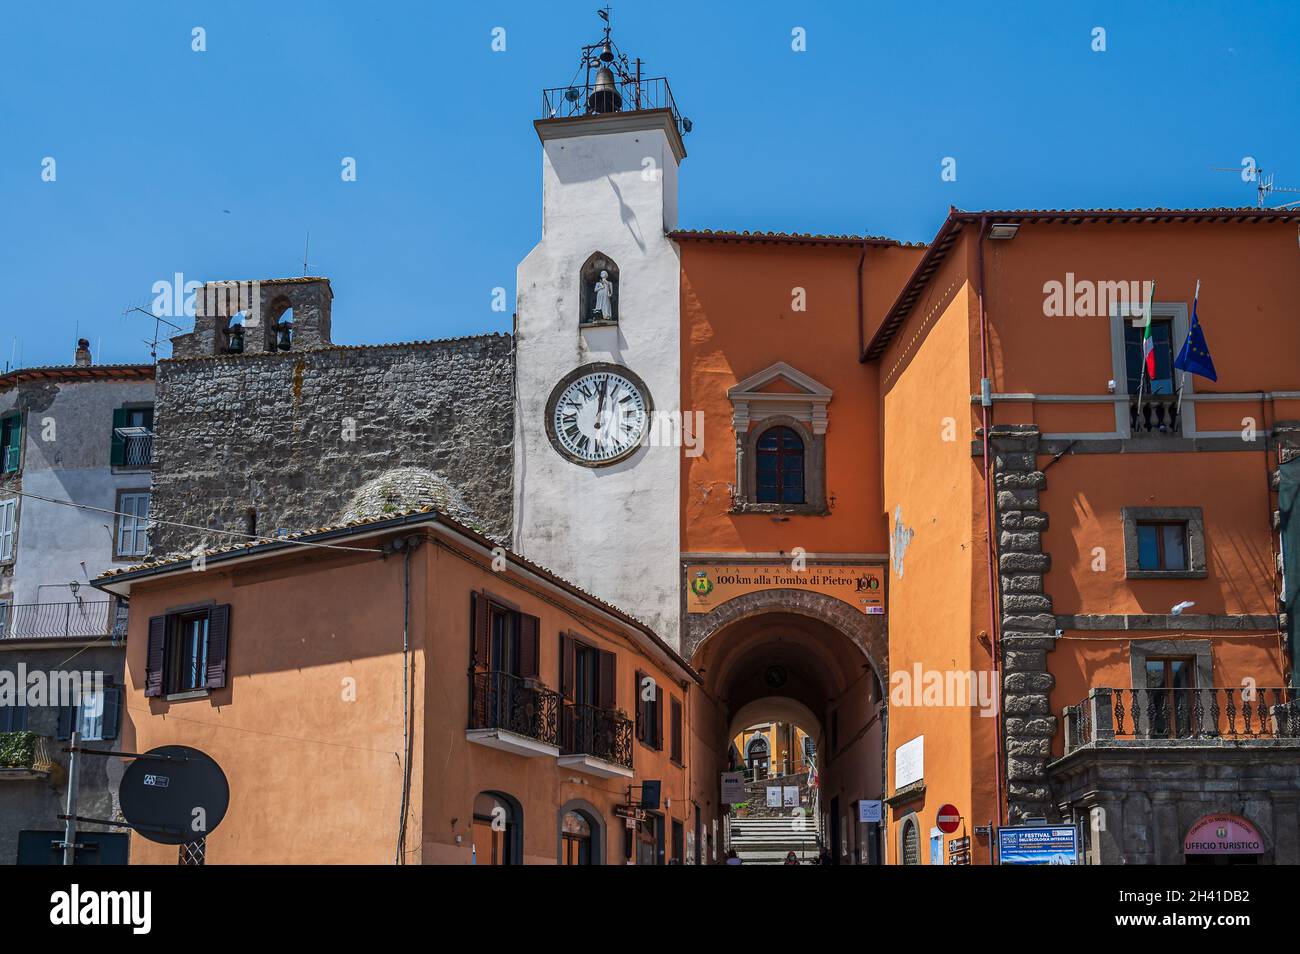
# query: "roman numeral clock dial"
{"points": [[598, 414]]}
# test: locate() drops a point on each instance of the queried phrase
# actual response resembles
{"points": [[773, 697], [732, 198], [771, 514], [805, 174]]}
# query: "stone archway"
{"points": [[867, 632]]}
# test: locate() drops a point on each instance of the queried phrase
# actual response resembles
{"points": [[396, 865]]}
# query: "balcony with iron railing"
{"points": [[612, 94], [595, 740], [80, 619], [136, 447], [1172, 718], [513, 713], [26, 755]]}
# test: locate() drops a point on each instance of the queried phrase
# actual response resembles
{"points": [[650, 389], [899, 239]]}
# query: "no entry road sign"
{"points": [[949, 819]]}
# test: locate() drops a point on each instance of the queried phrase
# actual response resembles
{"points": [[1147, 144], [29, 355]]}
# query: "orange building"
{"points": [[1112, 554], [398, 689], [783, 549], [1081, 580]]}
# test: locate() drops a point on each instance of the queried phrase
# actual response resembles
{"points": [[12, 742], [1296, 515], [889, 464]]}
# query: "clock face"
{"points": [[598, 414]]}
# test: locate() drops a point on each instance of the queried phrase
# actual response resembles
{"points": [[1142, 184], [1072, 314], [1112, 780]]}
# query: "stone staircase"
{"points": [[764, 835], [760, 840]]}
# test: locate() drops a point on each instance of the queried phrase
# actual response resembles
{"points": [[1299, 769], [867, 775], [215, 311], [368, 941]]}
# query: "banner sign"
{"points": [[1047, 845], [733, 788], [709, 585]]}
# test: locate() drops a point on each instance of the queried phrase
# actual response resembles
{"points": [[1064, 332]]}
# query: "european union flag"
{"points": [[1195, 356]]}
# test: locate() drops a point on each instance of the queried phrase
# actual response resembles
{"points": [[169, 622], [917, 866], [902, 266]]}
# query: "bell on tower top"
{"points": [[610, 83]]}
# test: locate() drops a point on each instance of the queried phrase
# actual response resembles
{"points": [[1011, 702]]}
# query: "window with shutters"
{"points": [[188, 651], [504, 639], [8, 528], [11, 442], [505, 691], [95, 717], [13, 717], [132, 537], [131, 444], [675, 739], [649, 711], [591, 722]]}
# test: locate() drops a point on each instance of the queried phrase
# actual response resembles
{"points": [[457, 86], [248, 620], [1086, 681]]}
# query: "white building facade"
{"points": [[597, 455]]}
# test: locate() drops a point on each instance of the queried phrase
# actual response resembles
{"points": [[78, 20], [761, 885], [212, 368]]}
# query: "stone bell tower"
{"points": [[250, 317], [598, 313]]}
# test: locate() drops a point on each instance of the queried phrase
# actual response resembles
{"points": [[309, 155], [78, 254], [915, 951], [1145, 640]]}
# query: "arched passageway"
{"points": [[794, 659]]}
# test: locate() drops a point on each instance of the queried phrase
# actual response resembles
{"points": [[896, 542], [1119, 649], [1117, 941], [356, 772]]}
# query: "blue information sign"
{"points": [[1045, 845]]}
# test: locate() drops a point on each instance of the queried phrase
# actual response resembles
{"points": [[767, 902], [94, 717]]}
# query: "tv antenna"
{"points": [[158, 322], [1263, 184], [305, 247]]}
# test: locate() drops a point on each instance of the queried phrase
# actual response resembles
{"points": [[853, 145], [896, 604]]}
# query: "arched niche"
{"points": [[589, 278]]}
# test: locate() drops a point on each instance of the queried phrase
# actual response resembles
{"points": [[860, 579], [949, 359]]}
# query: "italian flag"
{"points": [[1149, 351]]}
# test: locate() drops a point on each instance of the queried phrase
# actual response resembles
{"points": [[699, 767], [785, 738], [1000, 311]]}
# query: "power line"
{"points": [[187, 526]]}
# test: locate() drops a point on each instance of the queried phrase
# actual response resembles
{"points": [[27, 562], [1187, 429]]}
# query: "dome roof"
{"points": [[403, 489]]}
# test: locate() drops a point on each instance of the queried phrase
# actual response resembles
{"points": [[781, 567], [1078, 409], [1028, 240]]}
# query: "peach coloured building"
{"points": [[397, 690]]}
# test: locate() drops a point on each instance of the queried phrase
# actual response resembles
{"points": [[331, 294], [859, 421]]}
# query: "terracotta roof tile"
{"points": [[793, 238]]}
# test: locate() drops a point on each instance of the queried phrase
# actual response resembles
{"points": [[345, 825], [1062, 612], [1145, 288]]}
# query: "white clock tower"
{"points": [[596, 468]]}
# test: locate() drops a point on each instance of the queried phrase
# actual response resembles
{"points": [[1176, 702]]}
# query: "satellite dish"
{"points": [[174, 794]]}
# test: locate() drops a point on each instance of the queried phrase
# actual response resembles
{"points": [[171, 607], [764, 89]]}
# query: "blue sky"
{"points": [[217, 164]]}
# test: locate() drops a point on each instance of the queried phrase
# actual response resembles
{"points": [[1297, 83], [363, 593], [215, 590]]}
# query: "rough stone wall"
{"points": [[1028, 625], [292, 436], [1138, 803]]}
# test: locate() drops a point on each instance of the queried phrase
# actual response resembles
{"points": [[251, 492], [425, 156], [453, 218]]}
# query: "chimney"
{"points": [[82, 359]]}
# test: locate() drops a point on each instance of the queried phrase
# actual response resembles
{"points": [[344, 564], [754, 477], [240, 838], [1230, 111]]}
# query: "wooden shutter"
{"points": [[15, 459], [67, 715], [607, 690], [659, 717], [112, 711], [117, 455], [568, 670], [218, 645], [676, 728], [529, 648], [153, 665], [8, 527], [481, 644], [642, 721]]}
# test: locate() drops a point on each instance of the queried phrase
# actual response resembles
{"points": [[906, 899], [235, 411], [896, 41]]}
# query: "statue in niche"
{"points": [[598, 290], [604, 309]]}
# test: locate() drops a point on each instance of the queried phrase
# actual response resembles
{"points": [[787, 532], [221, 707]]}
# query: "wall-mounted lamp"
{"points": [[74, 586], [1003, 230]]}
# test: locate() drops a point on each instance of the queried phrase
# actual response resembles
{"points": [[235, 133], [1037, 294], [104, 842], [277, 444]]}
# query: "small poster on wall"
{"points": [[774, 796]]}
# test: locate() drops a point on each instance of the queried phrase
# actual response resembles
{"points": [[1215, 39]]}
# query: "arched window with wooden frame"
{"points": [[779, 466]]}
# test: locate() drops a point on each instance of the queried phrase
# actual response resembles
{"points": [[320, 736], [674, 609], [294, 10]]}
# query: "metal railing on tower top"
{"points": [[599, 98]]}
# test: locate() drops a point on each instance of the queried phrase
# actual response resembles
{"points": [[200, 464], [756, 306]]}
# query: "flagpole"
{"points": [[1196, 295], [1142, 372]]}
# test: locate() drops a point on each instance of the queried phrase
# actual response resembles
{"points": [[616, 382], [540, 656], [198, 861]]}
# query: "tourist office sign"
{"points": [[709, 585]]}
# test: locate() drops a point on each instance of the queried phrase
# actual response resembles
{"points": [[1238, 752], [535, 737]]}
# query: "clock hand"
{"points": [[600, 405]]}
